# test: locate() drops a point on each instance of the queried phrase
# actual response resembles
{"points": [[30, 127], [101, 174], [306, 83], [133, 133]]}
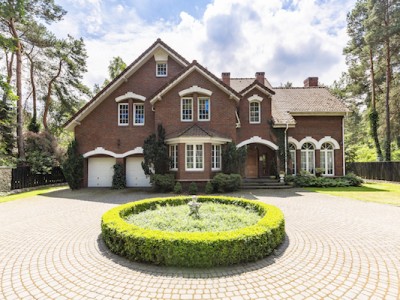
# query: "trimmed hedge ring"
{"points": [[193, 249]]}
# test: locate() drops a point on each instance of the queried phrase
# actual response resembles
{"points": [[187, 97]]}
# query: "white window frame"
{"points": [[119, 114], [191, 101], [173, 154], [259, 112], [166, 69], [194, 168], [305, 163], [292, 151], [216, 157], [325, 152], [198, 109], [135, 105]]}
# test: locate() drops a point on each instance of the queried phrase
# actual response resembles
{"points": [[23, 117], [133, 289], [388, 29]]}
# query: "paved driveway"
{"points": [[50, 248]]}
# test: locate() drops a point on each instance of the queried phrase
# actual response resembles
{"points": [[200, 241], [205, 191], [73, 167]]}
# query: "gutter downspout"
{"points": [[287, 127], [344, 159]]}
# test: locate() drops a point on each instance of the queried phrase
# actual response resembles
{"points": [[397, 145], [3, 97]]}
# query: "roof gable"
{"points": [[121, 78], [195, 66], [257, 85]]}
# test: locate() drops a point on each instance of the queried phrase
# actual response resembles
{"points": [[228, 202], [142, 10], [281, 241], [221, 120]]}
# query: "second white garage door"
{"points": [[100, 171], [135, 176]]}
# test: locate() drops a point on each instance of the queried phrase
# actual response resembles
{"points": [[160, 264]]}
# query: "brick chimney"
{"points": [[311, 81], [226, 78], [260, 77]]}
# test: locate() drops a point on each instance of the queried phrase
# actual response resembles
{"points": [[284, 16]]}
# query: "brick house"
{"points": [[284, 129]]}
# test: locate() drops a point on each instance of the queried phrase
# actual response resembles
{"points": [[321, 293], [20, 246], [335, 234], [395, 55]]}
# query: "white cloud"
{"points": [[239, 36]]}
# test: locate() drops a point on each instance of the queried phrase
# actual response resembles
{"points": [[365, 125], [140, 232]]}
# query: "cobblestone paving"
{"points": [[50, 248]]}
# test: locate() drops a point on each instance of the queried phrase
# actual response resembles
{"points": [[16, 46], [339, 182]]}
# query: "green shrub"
{"points": [[193, 249], [73, 166], [178, 188], [209, 188], [118, 180], [226, 183], [193, 189], [308, 180], [162, 183]]}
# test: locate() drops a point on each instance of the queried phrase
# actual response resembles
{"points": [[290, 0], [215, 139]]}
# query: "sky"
{"points": [[289, 40]]}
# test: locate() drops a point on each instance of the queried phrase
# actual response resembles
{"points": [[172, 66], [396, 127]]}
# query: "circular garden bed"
{"points": [[140, 232]]}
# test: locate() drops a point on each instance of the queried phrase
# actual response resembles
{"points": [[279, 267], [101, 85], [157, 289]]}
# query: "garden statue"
{"points": [[194, 207]]}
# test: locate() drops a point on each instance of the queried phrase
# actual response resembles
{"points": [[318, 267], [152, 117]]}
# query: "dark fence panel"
{"points": [[23, 178], [389, 171]]}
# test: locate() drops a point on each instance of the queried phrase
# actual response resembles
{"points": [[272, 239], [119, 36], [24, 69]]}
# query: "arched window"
{"points": [[308, 158], [327, 158], [292, 151]]}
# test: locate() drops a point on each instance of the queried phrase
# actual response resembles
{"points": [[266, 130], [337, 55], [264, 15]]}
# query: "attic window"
{"points": [[161, 69]]}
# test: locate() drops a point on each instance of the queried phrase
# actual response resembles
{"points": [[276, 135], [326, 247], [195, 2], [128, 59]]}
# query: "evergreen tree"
{"points": [[73, 166]]}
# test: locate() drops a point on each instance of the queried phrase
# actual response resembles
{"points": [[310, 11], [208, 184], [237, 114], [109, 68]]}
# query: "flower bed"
{"points": [[193, 249]]}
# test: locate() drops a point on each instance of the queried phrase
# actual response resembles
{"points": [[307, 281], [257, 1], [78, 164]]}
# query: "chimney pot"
{"points": [[311, 82], [226, 78], [260, 77]]}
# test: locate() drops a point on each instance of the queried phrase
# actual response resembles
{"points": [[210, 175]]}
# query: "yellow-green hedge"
{"points": [[193, 249]]}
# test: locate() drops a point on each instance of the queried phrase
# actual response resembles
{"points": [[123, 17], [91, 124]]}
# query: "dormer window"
{"points": [[161, 69], [254, 112]]}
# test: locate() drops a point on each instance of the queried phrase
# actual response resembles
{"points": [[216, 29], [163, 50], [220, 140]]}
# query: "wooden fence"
{"points": [[389, 171], [23, 178]]}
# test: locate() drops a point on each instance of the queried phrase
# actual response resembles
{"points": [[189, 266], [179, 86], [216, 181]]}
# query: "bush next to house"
{"points": [[193, 249], [309, 180], [209, 188], [162, 182], [178, 188], [118, 180], [226, 183], [73, 166], [193, 190]]}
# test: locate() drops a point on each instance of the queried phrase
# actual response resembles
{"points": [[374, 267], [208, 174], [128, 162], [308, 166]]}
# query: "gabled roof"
{"points": [[194, 66], [239, 84], [259, 86], [121, 78]]}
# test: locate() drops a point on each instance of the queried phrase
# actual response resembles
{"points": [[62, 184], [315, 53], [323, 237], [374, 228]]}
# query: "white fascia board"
{"points": [[130, 95], [197, 140], [318, 113]]}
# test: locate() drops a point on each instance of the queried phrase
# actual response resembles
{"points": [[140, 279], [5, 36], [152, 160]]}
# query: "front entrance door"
{"points": [[251, 170]]}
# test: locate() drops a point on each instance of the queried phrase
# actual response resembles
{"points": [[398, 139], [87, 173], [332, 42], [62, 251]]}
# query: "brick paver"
{"points": [[51, 248]]}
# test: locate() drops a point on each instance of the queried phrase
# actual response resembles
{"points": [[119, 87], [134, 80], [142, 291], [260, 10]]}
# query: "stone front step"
{"points": [[263, 183]]}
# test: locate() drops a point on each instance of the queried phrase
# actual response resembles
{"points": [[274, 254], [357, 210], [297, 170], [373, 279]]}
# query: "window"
{"points": [[327, 158], [254, 112], [161, 70], [216, 157], [194, 157], [308, 158], [123, 114], [187, 109], [292, 151], [204, 109], [173, 154], [138, 114]]}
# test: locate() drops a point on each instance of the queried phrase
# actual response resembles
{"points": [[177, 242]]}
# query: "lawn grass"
{"points": [[388, 193], [31, 193], [213, 217]]}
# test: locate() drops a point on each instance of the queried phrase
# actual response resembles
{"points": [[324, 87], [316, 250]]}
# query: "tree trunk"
{"points": [[32, 69], [388, 152], [20, 119], [374, 113], [48, 96]]}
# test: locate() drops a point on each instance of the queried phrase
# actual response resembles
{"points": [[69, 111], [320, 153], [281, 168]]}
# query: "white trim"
{"points": [[198, 140], [317, 113], [307, 152], [324, 163], [254, 98], [220, 157], [166, 68], [309, 139], [189, 71], [294, 142], [172, 158], [191, 119], [130, 95], [119, 114], [258, 140], [328, 139], [195, 89], [258, 88], [149, 52], [194, 157], [198, 109], [343, 154], [134, 114], [102, 151], [259, 112]]}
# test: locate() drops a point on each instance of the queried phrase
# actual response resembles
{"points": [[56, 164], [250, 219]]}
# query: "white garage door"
{"points": [[100, 171], [135, 176]]}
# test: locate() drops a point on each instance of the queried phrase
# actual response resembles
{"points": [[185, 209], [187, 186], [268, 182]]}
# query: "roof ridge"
{"points": [[299, 87]]}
